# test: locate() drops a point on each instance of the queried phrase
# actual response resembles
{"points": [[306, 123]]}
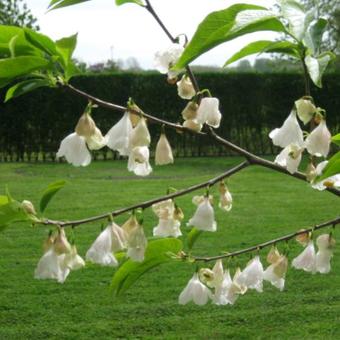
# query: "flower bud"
{"points": [[172, 79], [86, 126], [28, 207], [163, 153], [190, 111], [305, 109], [185, 88]]}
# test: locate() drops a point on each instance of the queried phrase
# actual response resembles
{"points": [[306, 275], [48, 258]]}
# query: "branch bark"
{"points": [[260, 246], [149, 203]]}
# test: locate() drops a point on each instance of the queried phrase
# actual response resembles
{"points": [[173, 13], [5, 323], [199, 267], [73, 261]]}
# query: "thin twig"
{"points": [[172, 39], [260, 246], [146, 204]]}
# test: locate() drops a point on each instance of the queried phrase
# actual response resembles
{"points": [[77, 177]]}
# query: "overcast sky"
{"points": [[105, 30]]}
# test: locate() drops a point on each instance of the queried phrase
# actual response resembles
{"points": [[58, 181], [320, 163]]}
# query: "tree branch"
{"points": [[149, 203], [251, 158], [260, 246]]}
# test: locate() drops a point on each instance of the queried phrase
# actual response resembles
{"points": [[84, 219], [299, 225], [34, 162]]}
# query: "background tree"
{"points": [[16, 13]]}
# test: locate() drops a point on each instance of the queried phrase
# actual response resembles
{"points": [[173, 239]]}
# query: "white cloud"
{"points": [[105, 29]]}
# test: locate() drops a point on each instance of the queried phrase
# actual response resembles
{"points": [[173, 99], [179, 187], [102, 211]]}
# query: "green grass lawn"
{"points": [[266, 205]]}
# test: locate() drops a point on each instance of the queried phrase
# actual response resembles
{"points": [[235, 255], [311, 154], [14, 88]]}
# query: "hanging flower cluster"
{"points": [[60, 257], [217, 285], [129, 137], [290, 137]]}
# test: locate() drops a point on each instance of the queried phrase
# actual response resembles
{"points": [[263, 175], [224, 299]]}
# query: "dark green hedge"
{"points": [[32, 126]]}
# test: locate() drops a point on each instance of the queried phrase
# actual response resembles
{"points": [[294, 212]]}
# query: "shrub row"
{"points": [[32, 126]]}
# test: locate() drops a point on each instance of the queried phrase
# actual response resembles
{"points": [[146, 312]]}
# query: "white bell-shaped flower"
{"points": [[289, 133], [118, 138], [330, 182], [252, 275], [167, 58], [290, 157], [193, 124], [164, 209], [130, 225], [208, 112], [101, 250], [305, 110], [198, 199], [119, 238], [72, 260], [185, 88], [140, 135], [230, 289], [168, 228], [86, 127], [221, 291], [50, 267], [306, 260], [204, 217], [190, 111], [276, 272], [73, 148], [163, 153], [323, 261], [136, 242], [96, 141], [139, 161], [318, 142], [326, 244], [195, 291], [218, 274], [226, 200]]}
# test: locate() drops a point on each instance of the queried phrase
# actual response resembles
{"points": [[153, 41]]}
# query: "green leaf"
{"points": [[225, 25], [336, 139], [66, 47], [265, 46], [25, 87], [155, 254], [317, 66], [11, 212], [297, 17], [21, 46], [193, 236], [11, 68], [314, 34], [122, 2], [3, 199], [332, 168], [40, 41], [54, 4], [49, 192]]}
